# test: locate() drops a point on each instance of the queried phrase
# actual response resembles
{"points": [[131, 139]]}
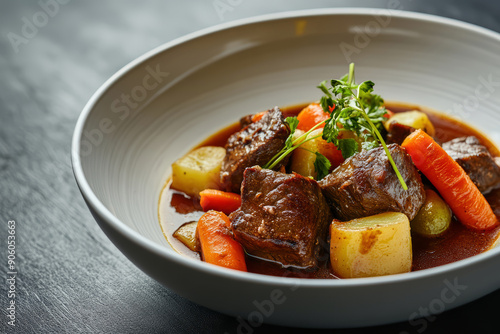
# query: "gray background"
{"points": [[71, 279]]}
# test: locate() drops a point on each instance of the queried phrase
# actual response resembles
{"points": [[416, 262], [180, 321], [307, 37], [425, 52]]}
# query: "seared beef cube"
{"points": [[254, 145], [283, 217], [366, 184], [398, 132], [476, 160], [246, 120]]}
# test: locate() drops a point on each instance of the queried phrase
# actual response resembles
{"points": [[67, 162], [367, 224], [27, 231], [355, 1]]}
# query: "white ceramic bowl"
{"points": [[158, 107]]}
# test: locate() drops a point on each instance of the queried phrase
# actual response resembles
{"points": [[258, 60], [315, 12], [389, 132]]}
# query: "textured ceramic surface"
{"points": [[161, 105]]}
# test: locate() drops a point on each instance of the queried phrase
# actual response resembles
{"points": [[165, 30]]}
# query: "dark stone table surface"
{"points": [[70, 277]]}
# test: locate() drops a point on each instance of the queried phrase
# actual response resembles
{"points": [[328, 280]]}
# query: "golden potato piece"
{"points": [[372, 246], [186, 234], [198, 170], [302, 159], [415, 119]]}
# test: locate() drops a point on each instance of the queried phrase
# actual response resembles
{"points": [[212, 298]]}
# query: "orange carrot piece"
{"points": [[212, 199], [258, 116], [389, 114], [310, 116], [217, 245], [332, 153], [454, 185]]}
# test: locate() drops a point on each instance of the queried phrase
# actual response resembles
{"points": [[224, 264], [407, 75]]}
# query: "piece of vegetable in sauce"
{"points": [[258, 116], [304, 157], [414, 118], [371, 246], [198, 170], [452, 182], [310, 116], [217, 244], [186, 234], [434, 217], [213, 199]]}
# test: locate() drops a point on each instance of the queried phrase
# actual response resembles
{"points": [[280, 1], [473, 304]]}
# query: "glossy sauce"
{"points": [[456, 244]]}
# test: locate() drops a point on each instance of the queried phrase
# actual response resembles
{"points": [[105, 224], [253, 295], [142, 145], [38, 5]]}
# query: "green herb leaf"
{"points": [[366, 88], [368, 145], [348, 146], [324, 89], [321, 166], [292, 122]]}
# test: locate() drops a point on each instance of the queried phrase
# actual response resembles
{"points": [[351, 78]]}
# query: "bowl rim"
{"points": [[127, 232]]}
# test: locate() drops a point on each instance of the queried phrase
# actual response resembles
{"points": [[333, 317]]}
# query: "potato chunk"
{"points": [[416, 119], [198, 170], [303, 157], [371, 246], [186, 234]]}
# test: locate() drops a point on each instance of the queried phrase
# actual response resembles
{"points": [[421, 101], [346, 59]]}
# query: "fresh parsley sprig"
{"points": [[355, 108]]}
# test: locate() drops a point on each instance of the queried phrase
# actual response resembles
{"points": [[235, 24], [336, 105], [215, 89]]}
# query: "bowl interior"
{"points": [[158, 108]]}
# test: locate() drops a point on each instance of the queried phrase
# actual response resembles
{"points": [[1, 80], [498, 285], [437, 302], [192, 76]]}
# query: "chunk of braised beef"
{"points": [[254, 145], [398, 132], [283, 218], [246, 120], [366, 184], [476, 161]]}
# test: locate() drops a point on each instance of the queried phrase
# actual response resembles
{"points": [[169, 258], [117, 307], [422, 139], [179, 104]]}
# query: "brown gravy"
{"points": [[456, 244]]}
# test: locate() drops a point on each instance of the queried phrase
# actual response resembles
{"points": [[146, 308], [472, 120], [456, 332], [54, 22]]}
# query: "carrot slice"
{"points": [[258, 116], [331, 152], [217, 245], [310, 116], [212, 199], [454, 185], [389, 114]]}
